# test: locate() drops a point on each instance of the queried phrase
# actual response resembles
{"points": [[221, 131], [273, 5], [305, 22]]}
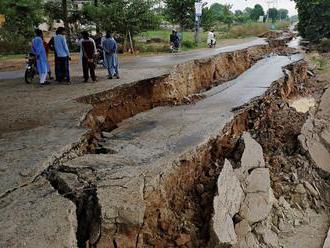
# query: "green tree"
{"points": [[208, 19], [314, 19], [222, 13], [217, 10], [181, 12], [228, 16], [123, 17], [239, 16], [256, 12], [283, 14], [247, 11], [22, 17], [273, 14]]}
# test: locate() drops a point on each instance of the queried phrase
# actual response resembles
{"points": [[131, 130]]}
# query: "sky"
{"points": [[242, 4]]}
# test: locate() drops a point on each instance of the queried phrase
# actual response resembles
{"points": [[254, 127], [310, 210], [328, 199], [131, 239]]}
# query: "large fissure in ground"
{"points": [[182, 209], [178, 213], [178, 87], [112, 107], [183, 212]]}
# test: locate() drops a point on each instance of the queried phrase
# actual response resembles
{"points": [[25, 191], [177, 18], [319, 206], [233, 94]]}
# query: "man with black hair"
{"points": [[51, 45], [88, 54], [174, 39], [39, 50], [109, 46], [63, 55]]}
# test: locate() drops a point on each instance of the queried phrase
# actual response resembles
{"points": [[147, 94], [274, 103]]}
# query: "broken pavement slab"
{"points": [[252, 157], [226, 204], [327, 241], [147, 150], [26, 154], [314, 137], [36, 216], [259, 198]]}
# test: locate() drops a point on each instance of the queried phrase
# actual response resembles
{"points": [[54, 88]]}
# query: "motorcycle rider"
{"points": [[211, 40], [174, 40]]}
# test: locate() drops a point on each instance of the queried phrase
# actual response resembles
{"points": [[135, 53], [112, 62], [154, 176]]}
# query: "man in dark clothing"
{"points": [[174, 39], [51, 45], [89, 51]]}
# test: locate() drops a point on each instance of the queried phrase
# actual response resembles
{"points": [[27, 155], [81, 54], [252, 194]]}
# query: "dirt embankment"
{"points": [[179, 87], [182, 212], [251, 186]]}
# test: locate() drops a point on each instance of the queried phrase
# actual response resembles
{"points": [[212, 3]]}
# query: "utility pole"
{"points": [[198, 14]]}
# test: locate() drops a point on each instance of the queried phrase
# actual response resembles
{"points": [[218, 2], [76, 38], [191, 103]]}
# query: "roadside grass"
{"points": [[12, 56], [320, 62], [240, 31], [223, 33]]}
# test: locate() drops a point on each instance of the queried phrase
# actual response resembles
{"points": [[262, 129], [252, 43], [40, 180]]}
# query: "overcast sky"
{"points": [[242, 4]]}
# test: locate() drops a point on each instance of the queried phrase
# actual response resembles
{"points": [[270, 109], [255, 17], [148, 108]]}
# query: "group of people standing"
{"points": [[88, 53]]}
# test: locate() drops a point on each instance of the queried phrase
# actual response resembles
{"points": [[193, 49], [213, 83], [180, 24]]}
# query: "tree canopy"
{"points": [[21, 17], [314, 19], [181, 12], [273, 14], [132, 16], [256, 12]]}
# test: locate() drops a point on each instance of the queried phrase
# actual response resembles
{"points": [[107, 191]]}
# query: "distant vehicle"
{"points": [[211, 39], [174, 41], [175, 48], [212, 43], [99, 56], [31, 68]]}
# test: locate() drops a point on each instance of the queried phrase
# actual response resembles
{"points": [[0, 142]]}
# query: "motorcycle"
{"points": [[212, 43], [175, 48], [99, 57], [31, 68]]}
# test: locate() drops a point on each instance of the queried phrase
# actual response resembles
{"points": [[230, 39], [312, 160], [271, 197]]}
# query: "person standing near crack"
{"points": [[40, 52], [109, 46], [88, 49], [63, 55]]}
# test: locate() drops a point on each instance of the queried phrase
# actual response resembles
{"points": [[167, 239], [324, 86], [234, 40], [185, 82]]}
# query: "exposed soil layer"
{"points": [[179, 210], [183, 209], [178, 213], [194, 77]]}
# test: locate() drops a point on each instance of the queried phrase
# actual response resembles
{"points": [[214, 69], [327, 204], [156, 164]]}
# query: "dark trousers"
{"points": [[88, 67], [63, 69], [57, 69]]}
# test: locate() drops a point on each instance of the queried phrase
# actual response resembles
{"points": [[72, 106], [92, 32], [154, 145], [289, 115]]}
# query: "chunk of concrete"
{"points": [[259, 198], [252, 157], [268, 236], [270, 239], [324, 110], [257, 206], [242, 229], [312, 143], [226, 204], [315, 137], [258, 181], [36, 216], [249, 241], [327, 241]]}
